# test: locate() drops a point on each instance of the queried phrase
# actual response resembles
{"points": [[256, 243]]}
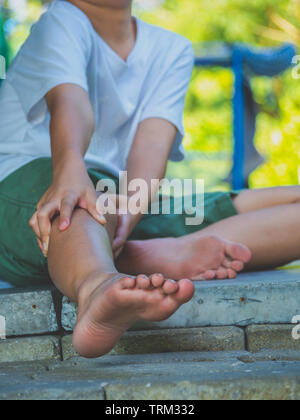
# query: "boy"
{"points": [[92, 92]]}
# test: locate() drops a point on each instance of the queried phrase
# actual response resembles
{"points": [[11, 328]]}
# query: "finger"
{"points": [[118, 252], [44, 217], [96, 215], [66, 210], [120, 236], [91, 207], [39, 242], [118, 243], [33, 223]]}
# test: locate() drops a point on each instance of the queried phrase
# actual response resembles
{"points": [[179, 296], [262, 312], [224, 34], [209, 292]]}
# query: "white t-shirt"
{"points": [[63, 47]]}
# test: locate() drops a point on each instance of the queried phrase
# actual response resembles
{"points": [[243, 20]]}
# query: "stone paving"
{"points": [[175, 376], [233, 341]]}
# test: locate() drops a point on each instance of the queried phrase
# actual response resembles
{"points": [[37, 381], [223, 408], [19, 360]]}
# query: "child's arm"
{"points": [[71, 129], [148, 161]]}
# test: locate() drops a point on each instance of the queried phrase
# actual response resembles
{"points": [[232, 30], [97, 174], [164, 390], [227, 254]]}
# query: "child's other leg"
{"points": [[251, 200], [272, 235], [199, 256], [268, 224], [81, 266]]}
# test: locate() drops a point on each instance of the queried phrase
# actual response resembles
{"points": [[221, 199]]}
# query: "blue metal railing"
{"points": [[236, 63], [244, 60]]}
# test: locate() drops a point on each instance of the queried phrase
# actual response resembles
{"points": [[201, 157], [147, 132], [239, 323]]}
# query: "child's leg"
{"points": [[251, 200], [199, 256], [81, 266], [268, 223], [272, 234]]}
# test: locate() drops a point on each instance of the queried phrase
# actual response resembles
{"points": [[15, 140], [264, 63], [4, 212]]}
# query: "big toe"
{"points": [[238, 252], [186, 290]]}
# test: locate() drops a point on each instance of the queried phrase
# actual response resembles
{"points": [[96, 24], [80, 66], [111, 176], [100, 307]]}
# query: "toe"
{"points": [[210, 275], [157, 280], [206, 276], [170, 287], [143, 282], [238, 252], [227, 263], [231, 274], [237, 265], [127, 283], [186, 290], [221, 274]]}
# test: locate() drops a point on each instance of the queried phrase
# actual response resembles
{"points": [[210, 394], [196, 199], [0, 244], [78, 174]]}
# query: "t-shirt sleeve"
{"points": [[167, 98], [56, 52]]}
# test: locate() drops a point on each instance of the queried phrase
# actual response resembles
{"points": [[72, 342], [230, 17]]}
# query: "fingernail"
{"points": [[46, 247], [64, 225]]}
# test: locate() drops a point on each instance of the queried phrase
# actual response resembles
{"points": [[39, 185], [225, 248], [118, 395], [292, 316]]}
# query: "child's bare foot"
{"points": [[108, 309], [196, 258]]}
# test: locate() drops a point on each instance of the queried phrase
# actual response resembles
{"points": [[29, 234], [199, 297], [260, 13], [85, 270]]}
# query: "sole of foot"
{"points": [[108, 310]]}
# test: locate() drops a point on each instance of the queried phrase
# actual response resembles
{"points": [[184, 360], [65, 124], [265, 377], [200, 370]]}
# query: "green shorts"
{"points": [[21, 261]]}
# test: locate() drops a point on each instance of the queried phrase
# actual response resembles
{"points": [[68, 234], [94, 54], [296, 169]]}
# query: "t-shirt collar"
{"points": [[134, 51]]}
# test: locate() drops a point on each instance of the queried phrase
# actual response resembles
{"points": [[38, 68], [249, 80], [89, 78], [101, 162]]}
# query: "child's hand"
{"points": [[72, 188]]}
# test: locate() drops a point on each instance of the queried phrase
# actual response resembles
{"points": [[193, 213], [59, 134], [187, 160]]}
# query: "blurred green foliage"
{"points": [[208, 116]]}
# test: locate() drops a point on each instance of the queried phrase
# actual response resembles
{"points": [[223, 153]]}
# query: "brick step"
{"points": [[206, 339], [251, 313], [259, 298], [180, 376]]}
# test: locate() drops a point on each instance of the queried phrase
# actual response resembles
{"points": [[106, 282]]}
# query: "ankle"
{"points": [[85, 288]]}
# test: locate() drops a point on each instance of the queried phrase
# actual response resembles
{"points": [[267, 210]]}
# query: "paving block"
{"points": [[168, 376], [29, 349], [257, 298], [241, 389], [188, 376], [277, 337], [58, 391], [28, 312], [270, 355], [80, 363], [172, 340]]}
